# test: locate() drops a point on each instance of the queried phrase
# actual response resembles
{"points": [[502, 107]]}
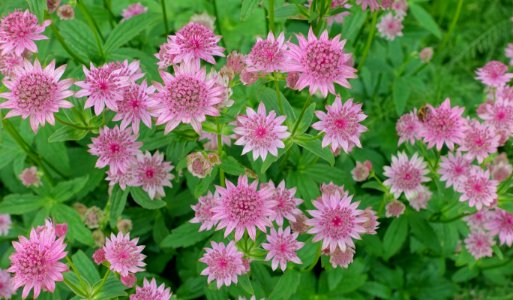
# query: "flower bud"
{"points": [[394, 209], [93, 217], [99, 238], [99, 256], [198, 165], [361, 171], [129, 280], [426, 54], [124, 225]]}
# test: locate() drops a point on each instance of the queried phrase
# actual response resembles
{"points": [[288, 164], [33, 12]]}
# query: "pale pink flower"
{"points": [[400, 7], [321, 62], [336, 221], [203, 212], [130, 70], [494, 74], [372, 4], [30, 177], [125, 178], [123, 254], [330, 189], [405, 175], [479, 220], [165, 56], [133, 10], [498, 114], [204, 19], [150, 291], [236, 62], [261, 133], [36, 261], [341, 258], [5, 225], [187, 97], [6, 285], [338, 18], [443, 124], [211, 138], [9, 62], [371, 223], [394, 209], [477, 188], [61, 229], [282, 246], [479, 244], [243, 207], [453, 168], [299, 225], [426, 54], [134, 107], [291, 81], [115, 148], [284, 203], [341, 125], [247, 77], [129, 280], [500, 168], [361, 171], [199, 165], [408, 127], [36, 93], [153, 174], [103, 86], [509, 53], [267, 55], [66, 12], [223, 82], [19, 30], [224, 263], [390, 27], [419, 199], [505, 93], [501, 223], [479, 141], [192, 43]]}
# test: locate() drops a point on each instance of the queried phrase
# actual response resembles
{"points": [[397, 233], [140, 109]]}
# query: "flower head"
{"points": [[372, 4], [5, 224], [419, 199], [331, 189], [498, 114], [224, 263], [394, 209], [150, 291], [6, 285], [203, 212], [134, 107], [321, 62], [361, 171], [477, 188], [204, 19], [133, 10], [19, 30], [36, 93], [9, 62], [267, 55], [371, 224], [341, 125], [453, 168], [66, 12], [426, 54], [408, 127], [30, 177], [341, 258], [123, 254], [479, 244], [500, 168], [282, 246], [405, 175], [479, 220], [479, 141], [500, 223], [390, 27], [199, 165], [284, 203], [509, 53], [211, 138], [153, 174], [494, 74]]}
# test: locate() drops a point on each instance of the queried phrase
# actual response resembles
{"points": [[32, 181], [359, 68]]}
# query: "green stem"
{"points": [[305, 106], [104, 280], [61, 40], [73, 125], [75, 270], [271, 15], [164, 12], [453, 25], [453, 218], [94, 26], [370, 38], [278, 96], [220, 152]]}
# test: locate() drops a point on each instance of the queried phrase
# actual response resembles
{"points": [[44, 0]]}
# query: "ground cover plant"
{"points": [[256, 149]]}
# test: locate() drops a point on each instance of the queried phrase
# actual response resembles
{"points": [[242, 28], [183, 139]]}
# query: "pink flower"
{"points": [[336, 221], [453, 168], [509, 53], [284, 203], [331, 189], [150, 291], [9, 62], [164, 56], [19, 30], [204, 19], [133, 10], [128, 280], [114, 147], [498, 114], [405, 175], [243, 207], [203, 212], [153, 174], [247, 77], [479, 244], [103, 86], [408, 127], [199, 165], [5, 224], [236, 62], [267, 55], [299, 225], [419, 199], [224, 263], [132, 70], [372, 4], [192, 43], [321, 62], [494, 74], [282, 246], [261, 133], [390, 27], [371, 224], [341, 125], [187, 97], [500, 168], [66, 12], [6, 285], [123, 254], [99, 256], [125, 178], [426, 54], [477, 188], [479, 141], [394, 209], [36, 93], [443, 124], [134, 107], [30, 177], [36, 261], [361, 171], [211, 144], [501, 223], [339, 258], [479, 220]]}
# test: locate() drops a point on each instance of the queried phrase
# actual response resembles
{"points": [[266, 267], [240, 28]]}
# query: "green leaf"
{"points": [[424, 232], [401, 92], [184, 235], [177, 150], [231, 166], [67, 133], [246, 285], [395, 236], [425, 19], [286, 11], [55, 153], [65, 190], [76, 229], [85, 267], [286, 286], [129, 29], [306, 121], [37, 7], [464, 274], [16, 204], [269, 98], [314, 145], [373, 185], [142, 198], [247, 8], [112, 288], [117, 204], [377, 289], [79, 38]]}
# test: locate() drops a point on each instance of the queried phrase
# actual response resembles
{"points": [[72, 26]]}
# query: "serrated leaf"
{"points": [[76, 229], [112, 289], [424, 232], [231, 166], [85, 267], [395, 236], [79, 38], [142, 198], [37, 7], [65, 190], [67, 133], [245, 283], [247, 8], [314, 145], [16, 204], [129, 29], [286, 286], [117, 204], [184, 235], [401, 92], [286, 11], [425, 19]]}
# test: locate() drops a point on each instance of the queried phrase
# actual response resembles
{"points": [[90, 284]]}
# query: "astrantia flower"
{"points": [[153, 174], [192, 43], [224, 263], [477, 188], [372, 4], [133, 10], [498, 114], [6, 285], [426, 54], [261, 133], [134, 107], [150, 291], [501, 223], [211, 144], [203, 212], [394, 209], [453, 167], [36, 93], [341, 125], [5, 224], [103, 86], [339, 258], [66, 12], [419, 199], [509, 53], [243, 207], [331, 189], [479, 244], [36, 261], [130, 70], [336, 221], [361, 171], [198, 164], [390, 27], [321, 62], [284, 203], [9, 62], [299, 225], [123, 254], [19, 30], [188, 97], [123, 178], [282, 246], [30, 177], [405, 175], [479, 220], [371, 223], [114, 147], [443, 124], [204, 19], [494, 74], [500, 168], [164, 56], [408, 127], [267, 55], [479, 141]]}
